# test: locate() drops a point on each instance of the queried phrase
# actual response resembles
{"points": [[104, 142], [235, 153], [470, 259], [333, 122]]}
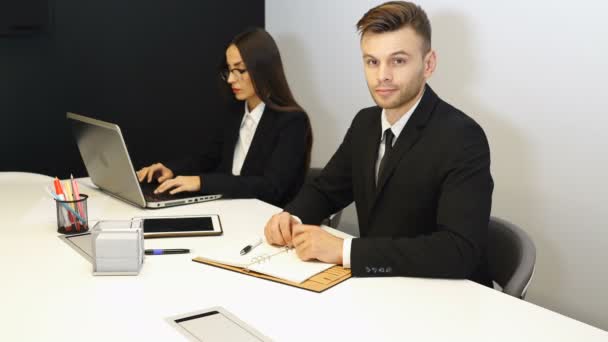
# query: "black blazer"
{"points": [[429, 214], [274, 168]]}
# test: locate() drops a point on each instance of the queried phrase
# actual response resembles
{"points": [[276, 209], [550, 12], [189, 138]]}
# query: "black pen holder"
{"points": [[72, 216]]}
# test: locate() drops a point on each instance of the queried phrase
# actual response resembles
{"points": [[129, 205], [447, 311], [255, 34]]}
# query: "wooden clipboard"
{"points": [[317, 283]]}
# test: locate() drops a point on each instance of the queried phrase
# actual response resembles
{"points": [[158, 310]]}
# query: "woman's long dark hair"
{"points": [[265, 67]]}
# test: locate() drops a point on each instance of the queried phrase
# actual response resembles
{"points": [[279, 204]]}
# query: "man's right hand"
{"points": [[279, 228], [158, 171]]}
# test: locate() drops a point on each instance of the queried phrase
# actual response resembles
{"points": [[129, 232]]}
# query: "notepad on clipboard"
{"points": [[280, 264]]}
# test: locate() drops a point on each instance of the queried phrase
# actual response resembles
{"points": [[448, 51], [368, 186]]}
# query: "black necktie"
{"points": [[388, 149]]}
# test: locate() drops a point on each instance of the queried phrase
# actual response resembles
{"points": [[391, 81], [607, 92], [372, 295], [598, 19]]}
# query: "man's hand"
{"points": [[278, 229], [158, 170], [312, 242], [180, 184]]}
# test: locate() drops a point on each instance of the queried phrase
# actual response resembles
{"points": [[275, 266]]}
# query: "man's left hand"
{"points": [[312, 242]]}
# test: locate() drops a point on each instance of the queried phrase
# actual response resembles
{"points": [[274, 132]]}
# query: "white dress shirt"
{"points": [[396, 128], [248, 126]]}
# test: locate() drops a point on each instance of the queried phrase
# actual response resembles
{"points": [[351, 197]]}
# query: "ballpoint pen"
{"points": [[166, 251], [251, 246]]}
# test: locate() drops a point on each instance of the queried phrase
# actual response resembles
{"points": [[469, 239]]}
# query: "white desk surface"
{"points": [[49, 294]]}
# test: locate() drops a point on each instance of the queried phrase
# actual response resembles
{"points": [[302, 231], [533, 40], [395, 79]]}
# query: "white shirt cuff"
{"points": [[345, 247], [346, 252]]}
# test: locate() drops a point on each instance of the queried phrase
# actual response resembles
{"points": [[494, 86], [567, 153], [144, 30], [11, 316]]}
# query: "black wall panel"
{"points": [[23, 17], [148, 65]]}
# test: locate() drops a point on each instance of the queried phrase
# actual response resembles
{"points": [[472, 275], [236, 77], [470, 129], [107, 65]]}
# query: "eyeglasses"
{"points": [[238, 73]]}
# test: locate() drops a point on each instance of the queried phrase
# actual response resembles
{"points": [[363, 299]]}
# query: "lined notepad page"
{"points": [[288, 266], [267, 259], [227, 251]]}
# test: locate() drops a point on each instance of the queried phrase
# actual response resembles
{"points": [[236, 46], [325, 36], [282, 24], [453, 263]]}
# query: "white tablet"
{"points": [[215, 325], [176, 226]]}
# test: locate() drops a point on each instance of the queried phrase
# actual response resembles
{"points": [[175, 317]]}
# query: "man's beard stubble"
{"points": [[405, 95]]}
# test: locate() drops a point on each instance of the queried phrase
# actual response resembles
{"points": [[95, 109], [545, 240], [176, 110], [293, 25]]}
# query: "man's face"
{"points": [[396, 68]]}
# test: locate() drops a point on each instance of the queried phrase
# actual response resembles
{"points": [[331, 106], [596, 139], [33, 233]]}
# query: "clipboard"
{"points": [[317, 283]]}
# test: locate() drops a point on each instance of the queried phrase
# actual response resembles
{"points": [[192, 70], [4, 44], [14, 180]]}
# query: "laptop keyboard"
{"points": [[150, 196]]}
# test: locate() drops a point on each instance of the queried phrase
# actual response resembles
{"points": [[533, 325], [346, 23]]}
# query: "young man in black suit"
{"points": [[417, 169]]}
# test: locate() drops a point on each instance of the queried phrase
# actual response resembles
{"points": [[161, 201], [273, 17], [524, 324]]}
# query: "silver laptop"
{"points": [[107, 160]]}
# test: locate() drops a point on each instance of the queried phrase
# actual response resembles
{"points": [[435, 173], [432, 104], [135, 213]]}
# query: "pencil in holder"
{"points": [[72, 217]]}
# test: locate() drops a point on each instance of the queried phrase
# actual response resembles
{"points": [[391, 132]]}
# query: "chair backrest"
{"points": [[511, 257], [334, 220]]}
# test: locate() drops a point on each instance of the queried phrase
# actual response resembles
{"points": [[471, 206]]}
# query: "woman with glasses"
{"points": [[264, 150]]}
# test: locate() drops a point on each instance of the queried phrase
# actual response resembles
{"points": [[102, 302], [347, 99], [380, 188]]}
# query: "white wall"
{"points": [[534, 74]]}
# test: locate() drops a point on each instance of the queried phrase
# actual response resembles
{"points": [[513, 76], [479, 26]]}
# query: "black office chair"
{"points": [[334, 220], [511, 257]]}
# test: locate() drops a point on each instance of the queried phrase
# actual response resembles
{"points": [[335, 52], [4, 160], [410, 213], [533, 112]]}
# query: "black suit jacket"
{"points": [[428, 216], [274, 168]]}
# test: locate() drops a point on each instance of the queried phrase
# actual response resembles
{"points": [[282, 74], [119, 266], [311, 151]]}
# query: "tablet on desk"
{"points": [[178, 226], [215, 325]]}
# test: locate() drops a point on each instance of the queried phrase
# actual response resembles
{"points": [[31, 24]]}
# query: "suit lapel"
{"points": [[411, 133], [370, 154]]}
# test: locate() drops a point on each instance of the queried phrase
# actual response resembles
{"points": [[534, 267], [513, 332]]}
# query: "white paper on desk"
{"points": [[278, 262]]}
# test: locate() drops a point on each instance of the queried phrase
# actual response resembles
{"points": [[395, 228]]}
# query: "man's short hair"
{"points": [[394, 15]]}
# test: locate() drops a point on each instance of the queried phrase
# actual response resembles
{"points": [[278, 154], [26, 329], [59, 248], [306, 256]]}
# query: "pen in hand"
{"points": [[166, 251], [251, 246]]}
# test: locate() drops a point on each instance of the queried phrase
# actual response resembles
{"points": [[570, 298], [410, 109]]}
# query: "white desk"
{"points": [[49, 294]]}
